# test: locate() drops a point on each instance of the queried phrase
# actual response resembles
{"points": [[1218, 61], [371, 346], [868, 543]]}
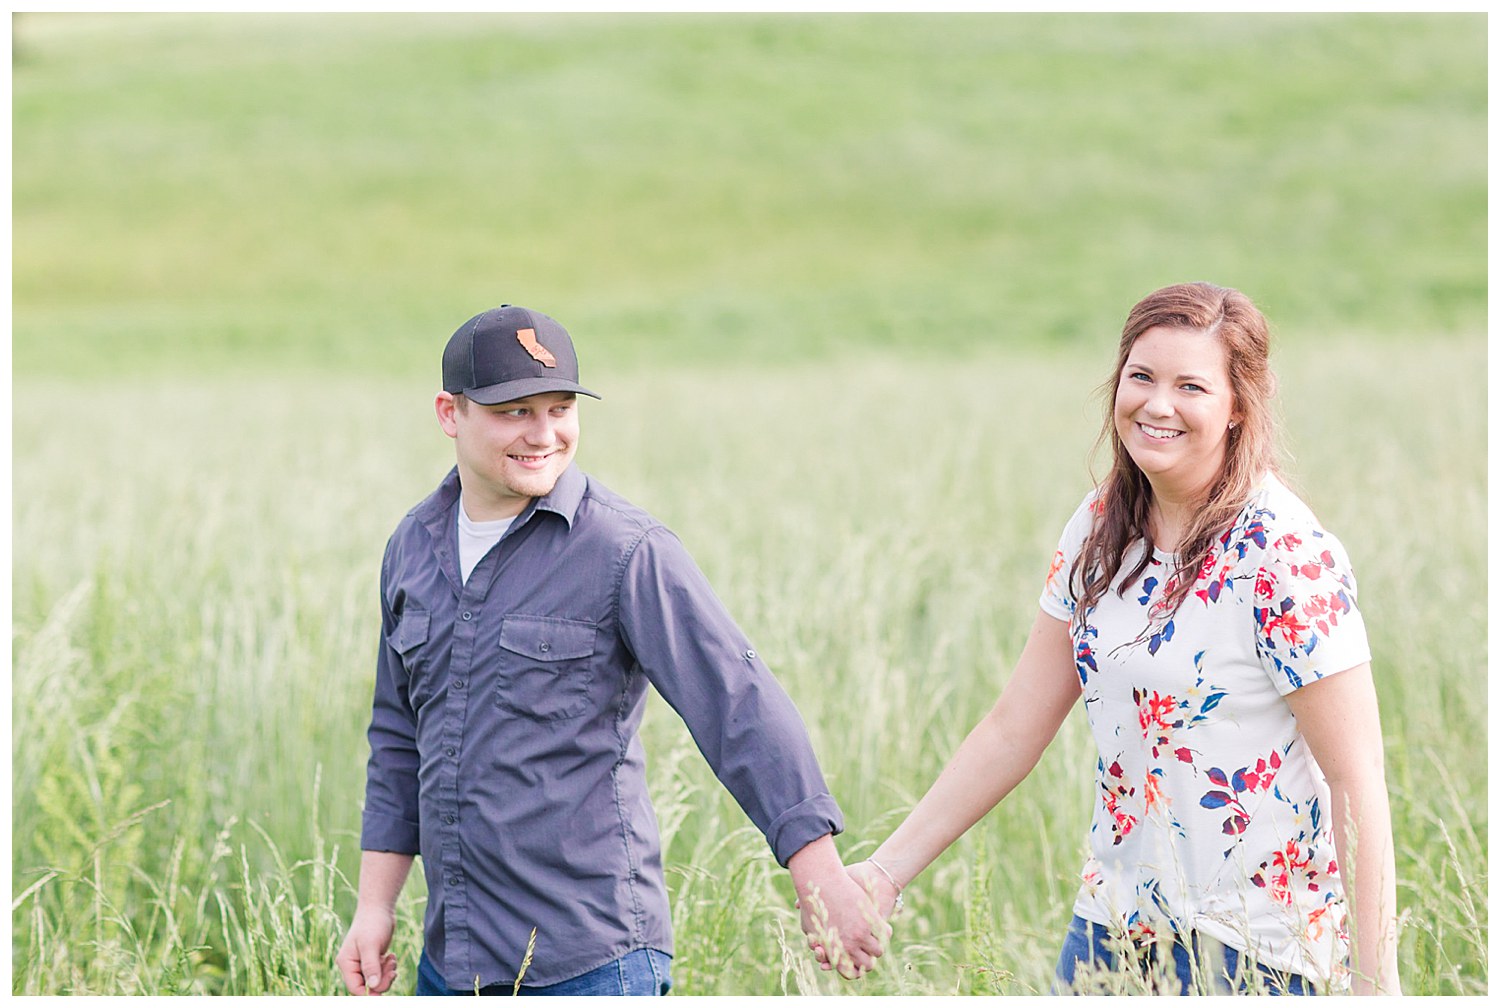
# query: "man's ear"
{"points": [[446, 407]]}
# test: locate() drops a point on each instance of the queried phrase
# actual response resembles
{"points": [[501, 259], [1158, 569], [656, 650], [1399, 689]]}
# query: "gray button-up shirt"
{"points": [[503, 743]]}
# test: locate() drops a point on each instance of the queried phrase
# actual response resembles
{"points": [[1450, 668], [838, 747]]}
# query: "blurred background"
{"points": [[335, 191], [848, 284]]}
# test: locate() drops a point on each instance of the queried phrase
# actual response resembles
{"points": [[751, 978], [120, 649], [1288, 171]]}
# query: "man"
{"points": [[524, 609]]}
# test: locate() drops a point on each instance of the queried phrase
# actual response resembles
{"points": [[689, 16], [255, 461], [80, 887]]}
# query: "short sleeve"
{"points": [[1057, 593], [1307, 624]]}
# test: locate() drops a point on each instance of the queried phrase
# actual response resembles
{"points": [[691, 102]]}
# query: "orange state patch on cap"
{"points": [[527, 338]]}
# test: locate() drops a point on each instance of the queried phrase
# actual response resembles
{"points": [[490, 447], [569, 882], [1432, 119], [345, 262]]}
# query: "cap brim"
{"points": [[491, 395]]}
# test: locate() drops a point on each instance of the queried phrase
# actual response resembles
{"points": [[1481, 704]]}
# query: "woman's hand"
{"points": [[881, 890]]}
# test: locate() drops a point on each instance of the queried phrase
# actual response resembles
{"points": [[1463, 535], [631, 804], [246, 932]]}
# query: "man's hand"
{"points": [[843, 927], [365, 959]]}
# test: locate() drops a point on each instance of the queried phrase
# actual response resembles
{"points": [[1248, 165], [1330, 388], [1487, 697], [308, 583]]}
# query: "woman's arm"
{"points": [[1340, 719], [996, 756]]}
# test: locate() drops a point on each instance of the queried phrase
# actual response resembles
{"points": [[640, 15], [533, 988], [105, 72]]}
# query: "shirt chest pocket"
{"points": [[546, 666], [407, 640]]}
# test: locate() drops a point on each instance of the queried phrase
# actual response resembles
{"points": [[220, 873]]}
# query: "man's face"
{"points": [[510, 452]]}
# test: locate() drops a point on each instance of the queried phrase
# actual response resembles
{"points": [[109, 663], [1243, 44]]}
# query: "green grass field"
{"points": [[848, 285]]}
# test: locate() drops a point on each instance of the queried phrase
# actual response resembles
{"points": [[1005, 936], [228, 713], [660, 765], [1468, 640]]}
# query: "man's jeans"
{"points": [[642, 972], [1088, 965]]}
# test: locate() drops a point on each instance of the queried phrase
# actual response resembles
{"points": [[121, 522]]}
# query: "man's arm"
{"points": [[390, 830], [746, 727], [365, 958]]}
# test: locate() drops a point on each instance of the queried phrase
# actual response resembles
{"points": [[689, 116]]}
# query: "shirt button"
{"points": [[546, 646], [451, 751], [750, 654], [468, 616], [453, 880], [458, 684], [450, 818]]}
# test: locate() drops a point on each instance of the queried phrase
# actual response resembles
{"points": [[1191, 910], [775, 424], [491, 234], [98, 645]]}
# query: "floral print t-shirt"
{"points": [[1211, 814]]}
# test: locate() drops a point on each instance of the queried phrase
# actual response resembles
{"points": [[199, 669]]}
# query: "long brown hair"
{"points": [[1123, 504]]}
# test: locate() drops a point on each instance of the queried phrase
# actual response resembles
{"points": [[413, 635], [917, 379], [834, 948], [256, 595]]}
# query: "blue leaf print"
{"points": [[1215, 799], [1290, 673], [1218, 777], [1238, 780], [1317, 816], [1149, 586], [1157, 639], [1235, 825], [1212, 702]]}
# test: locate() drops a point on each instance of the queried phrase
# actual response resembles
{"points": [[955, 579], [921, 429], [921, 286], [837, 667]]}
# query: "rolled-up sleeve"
{"points": [[741, 718], [391, 820]]}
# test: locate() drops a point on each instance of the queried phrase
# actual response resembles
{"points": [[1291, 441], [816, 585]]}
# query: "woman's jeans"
{"points": [[1091, 963], [644, 971]]}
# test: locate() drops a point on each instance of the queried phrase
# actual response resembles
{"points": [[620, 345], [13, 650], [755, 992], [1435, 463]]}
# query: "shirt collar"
{"points": [[567, 494]]}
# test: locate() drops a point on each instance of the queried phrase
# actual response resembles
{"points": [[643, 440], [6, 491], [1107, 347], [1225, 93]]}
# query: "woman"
{"points": [[1210, 625]]}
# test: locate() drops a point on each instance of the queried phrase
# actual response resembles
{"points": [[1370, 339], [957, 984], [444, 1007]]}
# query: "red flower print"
{"points": [[1124, 822], [1265, 585], [1057, 565], [1288, 625], [1276, 873], [1315, 922], [1154, 794], [1259, 777], [1158, 717]]}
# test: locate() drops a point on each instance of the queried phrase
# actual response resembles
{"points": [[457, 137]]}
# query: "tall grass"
{"points": [[195, 630], [842, 279]]}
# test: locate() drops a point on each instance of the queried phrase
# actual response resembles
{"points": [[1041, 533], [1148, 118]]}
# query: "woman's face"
{"points": [[1173, 409]]}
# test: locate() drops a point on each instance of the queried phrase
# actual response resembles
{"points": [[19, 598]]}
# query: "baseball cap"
{"points": [[509, 353]]}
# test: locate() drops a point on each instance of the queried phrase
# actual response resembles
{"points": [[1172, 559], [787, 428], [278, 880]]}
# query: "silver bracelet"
{"points": [[892, 879]]}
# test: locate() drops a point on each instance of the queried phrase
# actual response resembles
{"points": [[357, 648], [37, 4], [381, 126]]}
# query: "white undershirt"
{"points": [[476, 538]]}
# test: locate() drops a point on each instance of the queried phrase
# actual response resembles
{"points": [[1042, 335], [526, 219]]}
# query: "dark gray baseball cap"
{"points": [[509, 353]]}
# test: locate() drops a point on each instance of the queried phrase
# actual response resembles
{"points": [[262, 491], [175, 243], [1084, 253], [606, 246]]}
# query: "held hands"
{"points": [[879, 900], [365, 959], [842, 926]]}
